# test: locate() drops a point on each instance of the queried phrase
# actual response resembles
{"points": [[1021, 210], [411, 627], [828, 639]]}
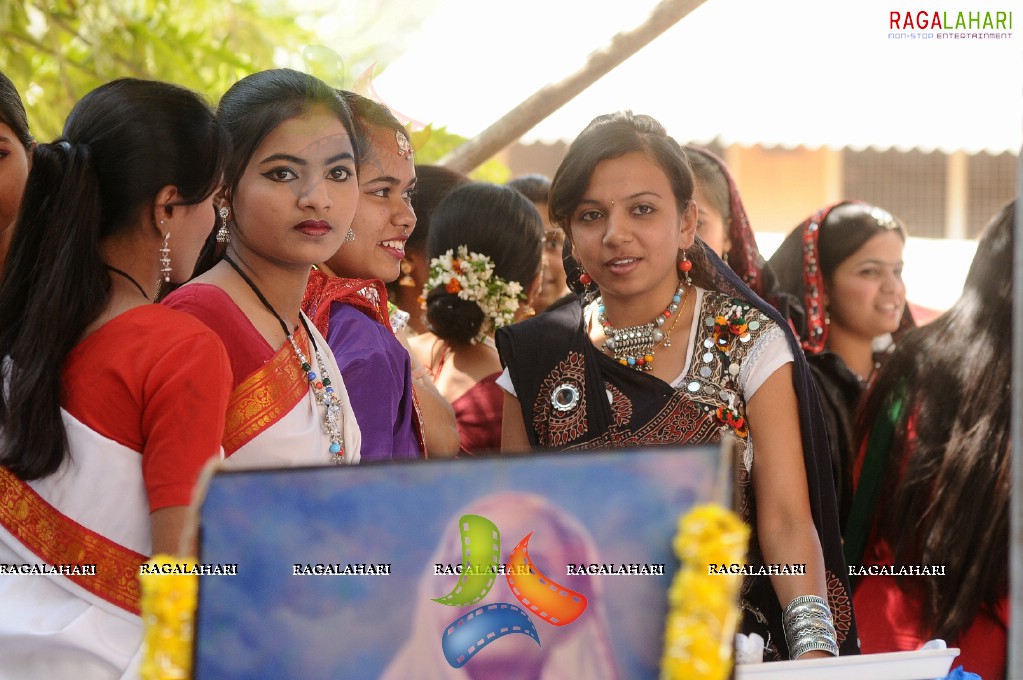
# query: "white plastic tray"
{"points": [[924, 664]]}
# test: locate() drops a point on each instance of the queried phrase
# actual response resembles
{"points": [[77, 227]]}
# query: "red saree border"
{"points": [[59, 540], [266, 396]]}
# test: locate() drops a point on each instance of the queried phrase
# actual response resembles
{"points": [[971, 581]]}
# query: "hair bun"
{"points": [[451, 318]]}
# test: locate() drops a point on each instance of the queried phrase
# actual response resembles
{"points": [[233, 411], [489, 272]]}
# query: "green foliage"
{"points": [[432, 144], [55, 51]]}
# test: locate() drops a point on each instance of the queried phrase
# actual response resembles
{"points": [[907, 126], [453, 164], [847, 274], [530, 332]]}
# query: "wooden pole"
{"points": [[552, 97]]}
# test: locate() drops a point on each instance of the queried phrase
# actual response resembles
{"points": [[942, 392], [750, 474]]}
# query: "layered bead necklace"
{"points": [[321, 388], [634, 346]]}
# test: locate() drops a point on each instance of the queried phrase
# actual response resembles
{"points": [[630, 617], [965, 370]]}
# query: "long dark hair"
{"points": [[496, 221], [251, 109], [950, 505], [12, 111], [122, 143]]}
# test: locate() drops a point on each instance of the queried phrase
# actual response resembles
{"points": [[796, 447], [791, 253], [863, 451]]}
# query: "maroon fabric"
{"points": [[478, 414]]}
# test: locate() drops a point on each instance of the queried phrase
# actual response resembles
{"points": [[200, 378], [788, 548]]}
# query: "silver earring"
{"points": [[223, 235], [350, 236], [165, 260]]}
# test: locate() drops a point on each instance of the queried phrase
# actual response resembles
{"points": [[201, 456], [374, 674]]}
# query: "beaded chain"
{"points": [[634, 346], [321, 388]]}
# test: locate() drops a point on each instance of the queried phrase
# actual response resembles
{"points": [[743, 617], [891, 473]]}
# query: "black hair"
{"points": [[611, 136], [368, 115], [433, 184], [536, 188], [12, 112], [491, 220], [946, 498], [713, 183], [122, 143], [252, 108], [847, 227]]}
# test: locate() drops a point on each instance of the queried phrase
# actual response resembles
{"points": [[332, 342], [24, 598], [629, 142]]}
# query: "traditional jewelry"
{"points": [[165, 261], [808, 626], [634, 346], [350, 236], [223, 235], [684, 267], [321, 388], [130, 278], [404, 146], [406, 280]]}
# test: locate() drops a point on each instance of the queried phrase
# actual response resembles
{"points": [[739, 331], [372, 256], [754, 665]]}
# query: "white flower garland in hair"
{"points": [[471, 276]]}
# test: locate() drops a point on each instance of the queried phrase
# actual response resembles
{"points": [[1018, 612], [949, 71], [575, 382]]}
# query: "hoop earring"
{"points": [[684, 267], [165, 259], [223, 235]]}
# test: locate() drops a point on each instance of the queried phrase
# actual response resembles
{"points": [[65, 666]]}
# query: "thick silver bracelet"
{"points": [[808, 626], [816, 644]]}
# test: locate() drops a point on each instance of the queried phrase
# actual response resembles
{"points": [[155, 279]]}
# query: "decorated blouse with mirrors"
{"points": [[671, 347]]}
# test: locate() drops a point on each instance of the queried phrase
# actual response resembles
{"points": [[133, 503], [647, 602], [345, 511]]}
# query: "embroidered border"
{"points": [[58, 539], [265, 396]]}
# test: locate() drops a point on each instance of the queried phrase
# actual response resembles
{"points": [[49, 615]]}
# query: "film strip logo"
{"points": [[551, 602]]}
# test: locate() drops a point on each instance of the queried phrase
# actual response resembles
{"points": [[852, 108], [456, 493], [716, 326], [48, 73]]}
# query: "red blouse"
{"points": [[155, 381]]}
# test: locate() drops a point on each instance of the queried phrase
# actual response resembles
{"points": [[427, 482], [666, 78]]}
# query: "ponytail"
{"points": [[53, 287]]}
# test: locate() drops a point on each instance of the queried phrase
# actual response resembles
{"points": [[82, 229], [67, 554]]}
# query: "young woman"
{"points": [[112, 404], [400, 412], [933, 474], [722, 223], [290, 194], [842, 269], [555, 290], [676, 350], [15, 158], [484, 249]]}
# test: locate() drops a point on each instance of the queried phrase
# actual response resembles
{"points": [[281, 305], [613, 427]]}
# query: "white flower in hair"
{"points": [[471, 277]]}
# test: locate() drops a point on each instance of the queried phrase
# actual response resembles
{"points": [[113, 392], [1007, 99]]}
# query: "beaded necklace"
{"points": [[322, 390], [634, 346]]}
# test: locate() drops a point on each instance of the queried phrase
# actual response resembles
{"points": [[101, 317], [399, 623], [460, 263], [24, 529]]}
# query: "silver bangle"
{"points": [[807, 611], [806, 599], [819, 644]]}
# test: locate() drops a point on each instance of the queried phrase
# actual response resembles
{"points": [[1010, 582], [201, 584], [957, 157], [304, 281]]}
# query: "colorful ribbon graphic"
{"points": [[469, 634], [552, 602], [481, 552]]}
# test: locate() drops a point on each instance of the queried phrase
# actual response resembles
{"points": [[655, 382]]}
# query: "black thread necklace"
{"points": [[322, 389], [130, 278]]}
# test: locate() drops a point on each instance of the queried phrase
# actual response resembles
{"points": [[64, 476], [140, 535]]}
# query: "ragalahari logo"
{"points": [[481, 564]]}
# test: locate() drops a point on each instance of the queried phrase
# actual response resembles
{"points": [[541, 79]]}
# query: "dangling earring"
{"points": [[406, 280], [584, 278], [685, 266], [223, 235], [165, 260], [350, 236]]}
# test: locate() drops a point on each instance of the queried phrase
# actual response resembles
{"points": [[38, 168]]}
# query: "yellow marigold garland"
{"points": [[702, 609], [168, 614]]}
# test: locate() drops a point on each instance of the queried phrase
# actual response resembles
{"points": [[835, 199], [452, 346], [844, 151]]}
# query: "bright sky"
{"points": [[786, 72]]}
